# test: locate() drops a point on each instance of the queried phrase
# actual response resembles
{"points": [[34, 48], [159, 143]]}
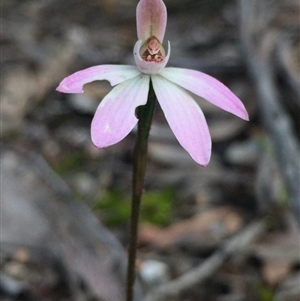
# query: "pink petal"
{"points": [[115, 116], [149, 67], [151, 19], [185, 119], [115, 74], [207, 87]]}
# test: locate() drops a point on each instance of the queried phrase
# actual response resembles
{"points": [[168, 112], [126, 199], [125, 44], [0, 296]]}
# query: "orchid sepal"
{"points": [[115, 74], [151, 19], [115, 116], [207, 87], [185, 118]]}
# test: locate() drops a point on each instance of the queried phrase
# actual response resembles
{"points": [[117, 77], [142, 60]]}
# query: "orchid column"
{"points": [[135, 92]]}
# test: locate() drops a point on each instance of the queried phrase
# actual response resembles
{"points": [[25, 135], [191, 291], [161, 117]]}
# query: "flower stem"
{"points": [[144, 114]]}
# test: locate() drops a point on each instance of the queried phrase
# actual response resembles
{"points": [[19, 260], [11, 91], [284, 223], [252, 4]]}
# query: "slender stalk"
{"points": [[144, 114]]}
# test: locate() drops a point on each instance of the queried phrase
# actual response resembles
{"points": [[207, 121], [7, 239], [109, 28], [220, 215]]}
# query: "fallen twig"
{"points": [[236, 244], [258, 46], [35, 199]]}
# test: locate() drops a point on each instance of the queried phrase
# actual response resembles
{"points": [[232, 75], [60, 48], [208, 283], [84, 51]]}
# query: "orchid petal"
{"points": [[151, 19], [115, 74], [149, 67], [207, 87], [115, 116], [185, 118]]}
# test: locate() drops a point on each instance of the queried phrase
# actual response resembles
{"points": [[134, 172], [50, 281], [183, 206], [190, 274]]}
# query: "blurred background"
{"points": [[227, 232]]}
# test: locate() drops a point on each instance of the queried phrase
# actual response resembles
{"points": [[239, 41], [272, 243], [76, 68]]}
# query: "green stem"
{"points": [[144, 114]]}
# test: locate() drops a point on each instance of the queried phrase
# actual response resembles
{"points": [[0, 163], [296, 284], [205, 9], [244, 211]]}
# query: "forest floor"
{"points": [[227, 232]]}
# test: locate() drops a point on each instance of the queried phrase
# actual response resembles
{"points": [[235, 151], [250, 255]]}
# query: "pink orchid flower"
{"points": [[115, 116]]}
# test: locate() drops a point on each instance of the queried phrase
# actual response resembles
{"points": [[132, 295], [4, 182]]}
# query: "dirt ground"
{"points": [[227, 232]]}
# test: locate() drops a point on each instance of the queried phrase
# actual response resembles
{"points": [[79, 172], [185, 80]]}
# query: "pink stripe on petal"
{"points": [[151, 19], [115, 74], [185, 118], [207, 87], [115, 116]]}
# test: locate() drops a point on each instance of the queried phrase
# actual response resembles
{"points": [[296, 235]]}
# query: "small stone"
{"points": [[154, 272]]}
